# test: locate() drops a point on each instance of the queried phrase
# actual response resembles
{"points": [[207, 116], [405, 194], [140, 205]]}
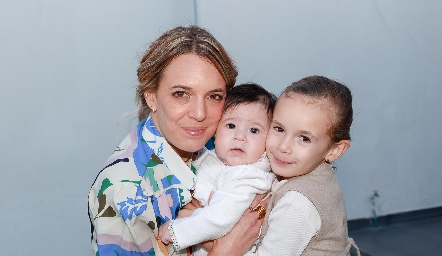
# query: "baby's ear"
{"points": [[337, 150]]}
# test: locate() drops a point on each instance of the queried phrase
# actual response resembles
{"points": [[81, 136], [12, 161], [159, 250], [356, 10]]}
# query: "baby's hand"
{"points": [[163, 233], [196, 204], [184, 213], [189, 208]]}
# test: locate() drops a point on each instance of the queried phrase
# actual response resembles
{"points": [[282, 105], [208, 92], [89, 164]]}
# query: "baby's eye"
{"points": [[230, 126], [254, 130], [278, 129], [216, 96], [179, 94], [304, 139]]}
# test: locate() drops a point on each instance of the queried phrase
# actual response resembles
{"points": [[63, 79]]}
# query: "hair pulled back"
{"points": [[335, 95], [173, 43]]}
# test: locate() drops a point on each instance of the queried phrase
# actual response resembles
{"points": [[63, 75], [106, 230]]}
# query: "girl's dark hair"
{"points": [[250, 93], [338, 97]]}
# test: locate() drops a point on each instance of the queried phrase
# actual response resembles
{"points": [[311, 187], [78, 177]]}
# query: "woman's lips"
{"points": [[194, 131]]}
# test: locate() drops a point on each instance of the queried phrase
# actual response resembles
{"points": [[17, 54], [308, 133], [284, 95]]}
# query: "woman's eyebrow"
{"points": [[179, 86]]}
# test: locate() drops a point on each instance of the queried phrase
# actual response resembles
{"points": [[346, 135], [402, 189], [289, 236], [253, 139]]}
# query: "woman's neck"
{"points": [[186, 156]]}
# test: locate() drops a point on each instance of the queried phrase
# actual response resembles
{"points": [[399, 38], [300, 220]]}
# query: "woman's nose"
{"points": [[198, 110]]}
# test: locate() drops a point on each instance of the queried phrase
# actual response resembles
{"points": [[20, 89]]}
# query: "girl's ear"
{"points": [[337, 150]]}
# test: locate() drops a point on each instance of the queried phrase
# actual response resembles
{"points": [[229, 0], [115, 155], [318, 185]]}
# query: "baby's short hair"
{"points": [[250, 93]]}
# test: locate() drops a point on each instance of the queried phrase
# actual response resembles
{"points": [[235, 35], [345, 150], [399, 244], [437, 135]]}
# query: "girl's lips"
{"points": [[279, 161]]}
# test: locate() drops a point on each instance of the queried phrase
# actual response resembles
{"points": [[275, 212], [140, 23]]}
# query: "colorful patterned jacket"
{"points": [[143, 184]]}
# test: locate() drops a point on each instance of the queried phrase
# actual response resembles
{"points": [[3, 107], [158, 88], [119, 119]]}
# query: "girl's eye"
{"points": [[254, 130], [230, 126], [216, 96], [304, 139], [278, 129], [179, 94]]}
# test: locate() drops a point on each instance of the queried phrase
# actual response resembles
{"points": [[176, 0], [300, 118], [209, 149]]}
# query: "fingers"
{"points": [[163, 233], [196, 203], [210, 196], [252, 224], [239, 240], [164, 241], [258, 198], [261, 211]]}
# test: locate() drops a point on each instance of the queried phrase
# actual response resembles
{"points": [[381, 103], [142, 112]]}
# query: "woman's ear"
{"points": [[150, 99], [337, 150]]}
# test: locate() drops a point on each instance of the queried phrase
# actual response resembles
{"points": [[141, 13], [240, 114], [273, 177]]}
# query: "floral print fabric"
{"points": [[143, 184]]}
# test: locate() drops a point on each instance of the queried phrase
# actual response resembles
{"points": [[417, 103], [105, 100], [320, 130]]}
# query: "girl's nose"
{"points": [[284, 147]]}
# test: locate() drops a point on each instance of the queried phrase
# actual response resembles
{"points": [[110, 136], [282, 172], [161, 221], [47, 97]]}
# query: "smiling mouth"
{"points": [[279, 161], [195, 131]]}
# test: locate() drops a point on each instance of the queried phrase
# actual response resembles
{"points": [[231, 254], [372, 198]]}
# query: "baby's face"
{"points": [[241, 134]]}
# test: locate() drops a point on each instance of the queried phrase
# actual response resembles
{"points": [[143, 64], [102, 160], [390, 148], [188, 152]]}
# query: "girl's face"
{"points": [[298, 139], [188, 103]]}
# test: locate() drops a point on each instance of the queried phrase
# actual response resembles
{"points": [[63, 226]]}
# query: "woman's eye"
{"points": [[179, 94], [230, 126], [254, 130], [304, 138], [217, 97]]}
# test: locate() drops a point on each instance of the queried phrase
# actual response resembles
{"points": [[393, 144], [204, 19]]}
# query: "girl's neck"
{"points": [[280, 178]]}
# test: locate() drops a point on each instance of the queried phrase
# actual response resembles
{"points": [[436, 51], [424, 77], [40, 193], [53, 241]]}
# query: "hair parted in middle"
{"points": [[173, 43], [250, 93]]}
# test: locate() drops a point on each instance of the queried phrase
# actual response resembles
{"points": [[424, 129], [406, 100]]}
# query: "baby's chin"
{"points": [[237, 161]]}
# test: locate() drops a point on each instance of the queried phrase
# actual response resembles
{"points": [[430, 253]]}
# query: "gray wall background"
{"points": [[68, 75]]}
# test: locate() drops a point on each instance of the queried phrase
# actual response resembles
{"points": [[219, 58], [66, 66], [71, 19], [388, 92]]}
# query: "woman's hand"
{"points": [[163, 233], [243, 235]]}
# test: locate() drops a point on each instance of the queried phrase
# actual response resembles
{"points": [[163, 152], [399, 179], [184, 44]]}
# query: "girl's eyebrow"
{"points": [[306, 132], [275, 122]]}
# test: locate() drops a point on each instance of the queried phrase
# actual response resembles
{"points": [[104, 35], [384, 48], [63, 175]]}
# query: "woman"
{"points": [[183, 79]]}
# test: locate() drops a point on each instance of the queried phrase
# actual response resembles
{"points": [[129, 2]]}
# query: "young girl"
{"points": [[310, 129]]}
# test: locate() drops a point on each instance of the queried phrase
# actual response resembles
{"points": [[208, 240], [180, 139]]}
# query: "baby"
{"points": [[229, 178]]}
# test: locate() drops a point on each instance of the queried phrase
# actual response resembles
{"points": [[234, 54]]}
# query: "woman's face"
{"points": [[188, 103]]}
